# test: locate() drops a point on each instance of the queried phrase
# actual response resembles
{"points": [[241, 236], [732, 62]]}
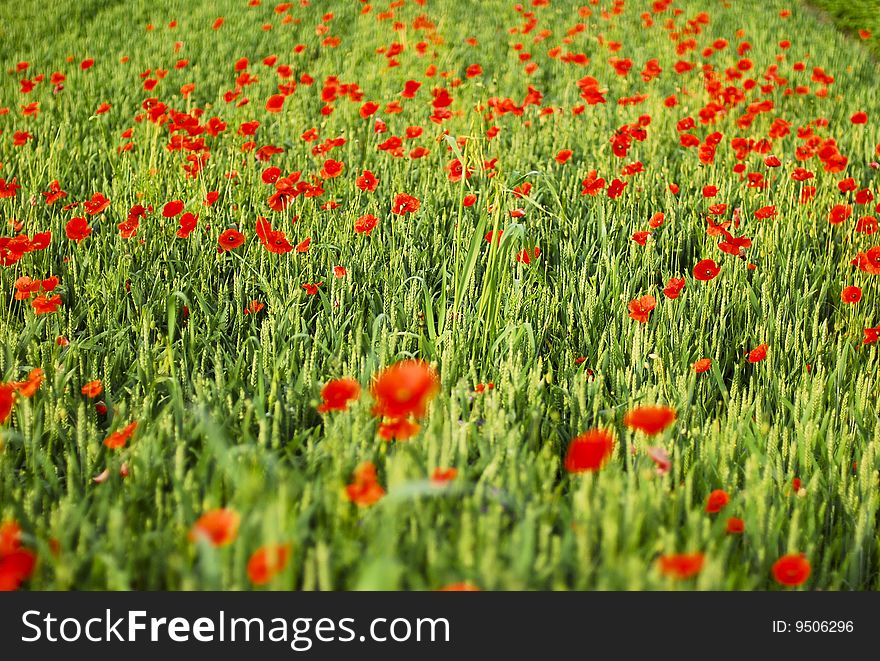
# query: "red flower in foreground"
{"points": [[444, 475], [792, 569], [404, 204], [706, 270], [717, 501], [16, 563], [650, 419], [275, 103], [758, 354], [172, 208], [839, 213], [404, 389], [119, 438], [7, 400], [331, 169], [365, 490], [681, 565], [398, 429], [851, 294], [367, 181], [589, 451], [673, 287], [338, 393], [218, 527], [640, 308], [702, 365], [92, 389], [29, 387], [267, 562], [230, 240], [96, 205], [77, 229], [46, 305], [365, 224]]}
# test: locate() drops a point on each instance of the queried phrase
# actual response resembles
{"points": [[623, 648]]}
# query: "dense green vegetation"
{"points": [[226, 402]]}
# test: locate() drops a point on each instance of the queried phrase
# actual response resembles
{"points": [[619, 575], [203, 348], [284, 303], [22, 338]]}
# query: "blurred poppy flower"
{"points": [[589, 451], [681, 566], [650, 419], [267, 562], [338, 393], [791, 570], [218, 527]]}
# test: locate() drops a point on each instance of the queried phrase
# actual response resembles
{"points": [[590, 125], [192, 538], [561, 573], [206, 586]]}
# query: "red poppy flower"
{"points": [[404, 389], [859, 118], [96, 205], [398, 429], [365, 490], [230, 240], [681, 566], [443, 475], [563, 155], [119, 438], [791, 570], [525, 256], [267, 562], [641, 237], [8, 189], [716, 501], [332, 169], [30, 387], [7, 400], [674, 287], [702, 365], [338, 393], [735, 526], [365, 224], [187, 223], [758, 354], [765, 212], [650, 419], [851, 294], [217, 527], [16, 563], [172, 208], [275, 103], [77, 229], [839, 213], [54, 193], [589, 451], [92, 389], [404, 204], [46, 305], [367, 181], [706, 270], [640, 308]]}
